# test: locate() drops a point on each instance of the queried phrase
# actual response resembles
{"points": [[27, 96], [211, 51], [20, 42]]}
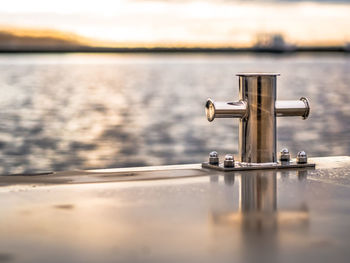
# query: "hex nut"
{"points": [[213, 158], [229, 161], [284, 155], [301, 157]]}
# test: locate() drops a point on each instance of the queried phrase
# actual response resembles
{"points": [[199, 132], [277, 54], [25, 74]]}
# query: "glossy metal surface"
{"points": [[284, 155], [255, 216], [214, 110], [293, 108], [257, 132], [257, 109], [229, 161], [301, 157], [214, 158], [239, 166]]}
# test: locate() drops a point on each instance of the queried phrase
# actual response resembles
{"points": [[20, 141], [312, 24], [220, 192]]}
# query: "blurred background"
{"points": [[98, 84]]}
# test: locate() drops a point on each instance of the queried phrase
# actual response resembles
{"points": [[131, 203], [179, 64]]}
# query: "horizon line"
{"points": [[163, 49]]}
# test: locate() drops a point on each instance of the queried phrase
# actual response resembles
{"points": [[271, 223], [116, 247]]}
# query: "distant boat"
{"points": [[272, 43], [347, 47]]}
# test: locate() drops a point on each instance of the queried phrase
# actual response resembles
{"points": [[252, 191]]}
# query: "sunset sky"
{"points": [[185, 22]]}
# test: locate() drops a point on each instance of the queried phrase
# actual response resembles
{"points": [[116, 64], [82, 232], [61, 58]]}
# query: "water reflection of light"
{"points": [[263, 223], [101, 111], [258, 204]]}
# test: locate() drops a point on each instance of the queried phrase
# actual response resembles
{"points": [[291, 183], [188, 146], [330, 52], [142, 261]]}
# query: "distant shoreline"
{"points": [[338, 49]]}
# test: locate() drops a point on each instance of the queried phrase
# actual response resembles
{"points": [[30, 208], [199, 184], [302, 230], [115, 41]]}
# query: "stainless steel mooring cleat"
{"points": [[257, 110]]}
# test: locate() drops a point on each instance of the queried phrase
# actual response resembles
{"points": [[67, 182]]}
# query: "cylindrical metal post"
{"points": [[293, 108], [236, 109], [257, 131]]}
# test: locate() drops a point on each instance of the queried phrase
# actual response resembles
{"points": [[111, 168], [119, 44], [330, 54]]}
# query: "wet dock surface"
{"points": [[178, 214]]}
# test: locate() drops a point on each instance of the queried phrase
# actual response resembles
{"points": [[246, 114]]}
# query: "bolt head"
{"points": [[213, 154], [301, 154], [229, 161], [301, 157], [229, 157], [284, 151], [213, 158], [284, 155]]}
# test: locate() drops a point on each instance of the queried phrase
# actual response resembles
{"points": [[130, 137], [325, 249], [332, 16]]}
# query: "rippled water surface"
{"points": [[82, 111]]}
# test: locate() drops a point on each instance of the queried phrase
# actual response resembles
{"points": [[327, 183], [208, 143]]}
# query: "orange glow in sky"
{"points": [[185, 22]]}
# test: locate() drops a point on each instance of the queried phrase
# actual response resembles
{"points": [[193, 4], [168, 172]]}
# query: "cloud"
{"points": [[209, 22]]}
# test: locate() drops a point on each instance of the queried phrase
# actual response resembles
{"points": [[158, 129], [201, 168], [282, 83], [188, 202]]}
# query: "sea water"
{"points": [[82, 111]]}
